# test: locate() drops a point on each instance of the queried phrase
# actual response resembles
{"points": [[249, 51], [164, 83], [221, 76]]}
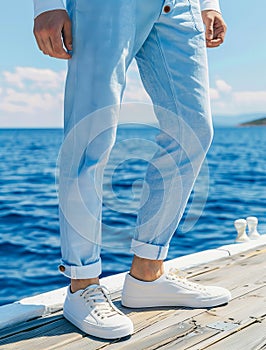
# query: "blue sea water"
{"points": [[231, 185]]}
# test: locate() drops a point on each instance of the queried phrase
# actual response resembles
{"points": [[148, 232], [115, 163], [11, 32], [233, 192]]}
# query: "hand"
{"points": [[52, 30], [215, 28]]}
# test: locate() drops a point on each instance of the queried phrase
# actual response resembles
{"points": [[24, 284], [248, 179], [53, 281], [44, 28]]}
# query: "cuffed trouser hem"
{"points": [[82, 272], [149, 251]]}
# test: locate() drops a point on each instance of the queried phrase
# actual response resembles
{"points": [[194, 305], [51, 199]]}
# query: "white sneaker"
{"points": [[92, 311], [171, 290]]}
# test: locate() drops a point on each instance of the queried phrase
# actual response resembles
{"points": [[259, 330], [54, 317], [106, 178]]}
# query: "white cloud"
{"points": [[33, 97], [222, 86], [254, 98], [226, 101], [214, 93], [23, 102], [34, 77]]}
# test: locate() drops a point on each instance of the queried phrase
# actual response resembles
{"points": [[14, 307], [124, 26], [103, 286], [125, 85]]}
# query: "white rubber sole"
{"points": [[99, 331], [136, 303]]}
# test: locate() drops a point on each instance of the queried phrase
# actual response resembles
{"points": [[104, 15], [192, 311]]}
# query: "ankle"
{"points": [[78, 284], [145, 269]]}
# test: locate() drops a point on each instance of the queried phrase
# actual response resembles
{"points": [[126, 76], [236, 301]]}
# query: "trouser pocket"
{"points": [[194, 8]]}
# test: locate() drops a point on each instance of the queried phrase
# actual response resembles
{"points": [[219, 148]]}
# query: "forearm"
{"points": [[41, 6]]}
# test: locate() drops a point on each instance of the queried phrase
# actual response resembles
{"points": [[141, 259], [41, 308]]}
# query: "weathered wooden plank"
{"points": [[235, 279], [29, 325], [161, 319], [234, 276], [206, 344], [91, 344], [236, 312], [42, 337], [160, 338], [147, 325], [56, 335], [252, 337], [161, 325], [225, 262], [246, 289], [240, 312], [161, 330], [143, 317], [184, 342]]}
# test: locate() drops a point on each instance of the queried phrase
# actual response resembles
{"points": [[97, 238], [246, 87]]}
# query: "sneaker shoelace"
{"points": [[176, 275], [99, 299]]}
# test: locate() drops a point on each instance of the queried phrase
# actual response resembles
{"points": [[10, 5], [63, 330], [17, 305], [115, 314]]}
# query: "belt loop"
{"points": [[73, 272]]}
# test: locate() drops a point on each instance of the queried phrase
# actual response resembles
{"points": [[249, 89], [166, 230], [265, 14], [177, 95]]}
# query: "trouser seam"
{"points": [[158, 42], [70, 115]]}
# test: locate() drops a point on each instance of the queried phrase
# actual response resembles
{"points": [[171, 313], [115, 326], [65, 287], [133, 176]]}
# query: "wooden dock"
{"points": [[240, 325]]}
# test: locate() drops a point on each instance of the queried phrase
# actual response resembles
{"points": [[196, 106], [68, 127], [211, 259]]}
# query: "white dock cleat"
{"points": [[252, 222], [240, 225]]}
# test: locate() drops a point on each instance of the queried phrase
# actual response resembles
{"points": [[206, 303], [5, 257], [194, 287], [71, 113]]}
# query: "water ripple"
{"points": [[29, 241]]}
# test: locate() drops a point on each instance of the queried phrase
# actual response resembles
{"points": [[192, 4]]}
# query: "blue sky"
{"points": [[31, 85]]}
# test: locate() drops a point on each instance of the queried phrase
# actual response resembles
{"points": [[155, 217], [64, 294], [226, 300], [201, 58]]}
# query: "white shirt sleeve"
{"points": [[210, 5], [41, 6]]}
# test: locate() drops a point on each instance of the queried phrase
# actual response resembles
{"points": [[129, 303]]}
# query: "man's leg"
{"points": [[105, 37], [95, 83], [173, 67]]}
